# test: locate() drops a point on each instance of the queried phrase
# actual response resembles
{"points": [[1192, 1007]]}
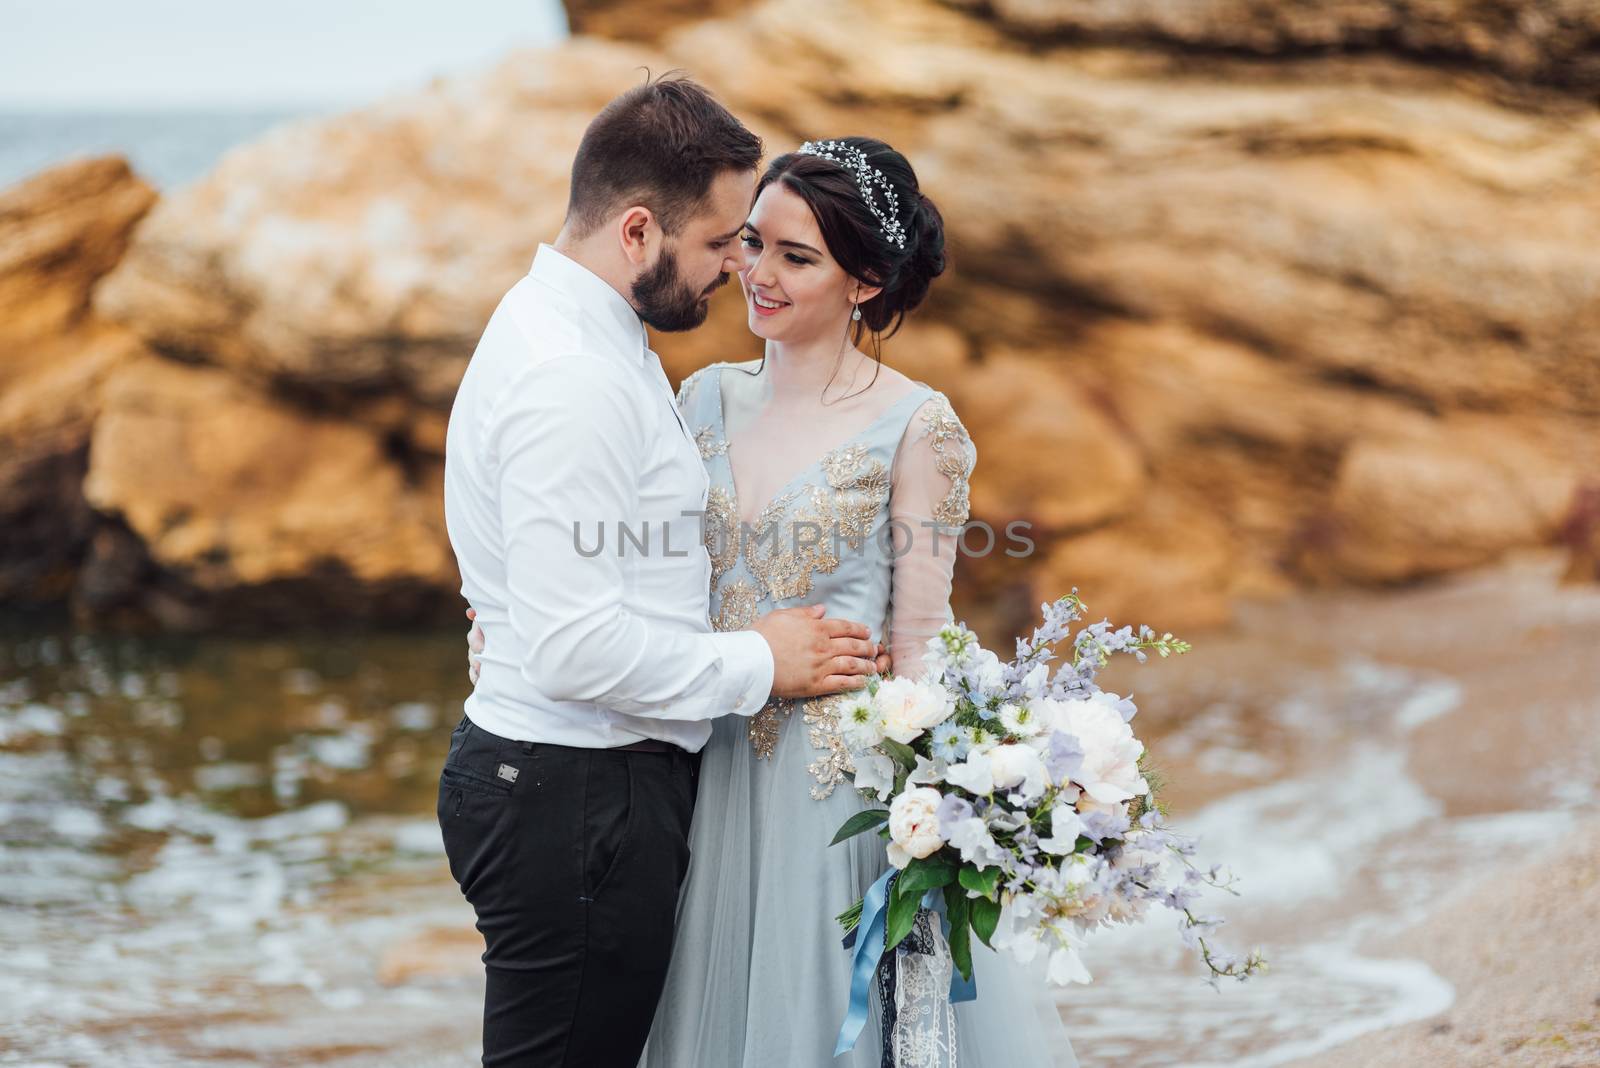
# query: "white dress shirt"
{"points": [[565, 417]]}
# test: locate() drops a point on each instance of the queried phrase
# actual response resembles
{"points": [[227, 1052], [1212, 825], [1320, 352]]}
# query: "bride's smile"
{"points": [[797, 293]]}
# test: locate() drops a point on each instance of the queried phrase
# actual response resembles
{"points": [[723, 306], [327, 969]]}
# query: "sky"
{"points": [[233, 54]]}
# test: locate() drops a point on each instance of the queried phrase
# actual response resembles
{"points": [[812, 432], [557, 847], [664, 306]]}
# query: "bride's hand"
{"points": [[474, 647]]}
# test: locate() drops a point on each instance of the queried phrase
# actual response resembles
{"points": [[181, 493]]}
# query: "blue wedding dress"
{"points": [[758, 977]]}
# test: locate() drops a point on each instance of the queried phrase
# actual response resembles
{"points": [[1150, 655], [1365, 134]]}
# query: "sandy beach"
{"points": [[1404, 783], [1519, 937]]}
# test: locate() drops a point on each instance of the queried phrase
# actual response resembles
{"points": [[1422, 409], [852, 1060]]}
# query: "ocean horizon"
{"points": [[166, 148]]}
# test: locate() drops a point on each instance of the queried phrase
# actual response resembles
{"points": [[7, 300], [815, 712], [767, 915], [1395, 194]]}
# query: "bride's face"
{"points": [[793, 290]]}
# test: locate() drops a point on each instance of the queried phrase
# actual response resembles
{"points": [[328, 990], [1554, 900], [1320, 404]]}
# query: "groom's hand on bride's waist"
{"points": [[813, 655]]}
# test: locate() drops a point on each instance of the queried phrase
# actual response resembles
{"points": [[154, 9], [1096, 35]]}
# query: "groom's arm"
{"points": [[569, 446]]}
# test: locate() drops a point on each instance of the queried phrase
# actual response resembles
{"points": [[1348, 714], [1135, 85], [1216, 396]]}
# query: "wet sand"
{"points": [[1521, 946], [1405, 783], [1519, 938]]}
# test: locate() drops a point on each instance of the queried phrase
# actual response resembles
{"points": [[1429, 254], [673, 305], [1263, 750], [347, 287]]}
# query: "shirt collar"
{"points": [[609, 309]]}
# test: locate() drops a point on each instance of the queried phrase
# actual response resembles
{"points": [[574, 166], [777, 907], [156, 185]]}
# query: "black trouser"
{"points": [[572, 859]]}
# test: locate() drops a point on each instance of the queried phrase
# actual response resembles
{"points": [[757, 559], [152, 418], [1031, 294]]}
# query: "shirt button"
{"points": [[739, 703]]}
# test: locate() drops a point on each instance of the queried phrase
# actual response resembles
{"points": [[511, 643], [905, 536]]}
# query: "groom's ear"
{"points": [[639, 234]]}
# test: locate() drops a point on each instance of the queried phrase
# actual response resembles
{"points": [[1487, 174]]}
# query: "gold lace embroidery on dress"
{"points": [[833, 765], [721, 535], [843, 512], [738, 609], [956, 464], [708, 445], [765, 725]]}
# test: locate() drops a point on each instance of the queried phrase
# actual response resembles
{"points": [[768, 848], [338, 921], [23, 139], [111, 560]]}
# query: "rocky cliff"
{"points": [[1244, 295]]}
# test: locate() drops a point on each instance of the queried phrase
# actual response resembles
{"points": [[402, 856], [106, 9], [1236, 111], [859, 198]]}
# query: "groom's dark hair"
{"points": [[660, 144]]}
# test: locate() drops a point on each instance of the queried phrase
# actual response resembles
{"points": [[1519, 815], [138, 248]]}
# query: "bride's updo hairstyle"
{"points": [[857, 238]]}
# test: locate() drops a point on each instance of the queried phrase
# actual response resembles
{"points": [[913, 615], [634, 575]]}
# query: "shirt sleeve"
{"points": [[928, 502], [569, 446]]}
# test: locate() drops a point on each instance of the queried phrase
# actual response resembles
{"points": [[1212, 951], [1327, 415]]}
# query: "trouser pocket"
{"points": [[608, 818]]}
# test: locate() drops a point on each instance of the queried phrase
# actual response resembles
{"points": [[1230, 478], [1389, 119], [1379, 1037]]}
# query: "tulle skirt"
{"points": [[758, 977]]}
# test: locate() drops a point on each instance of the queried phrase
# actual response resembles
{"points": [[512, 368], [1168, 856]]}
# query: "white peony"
{"points": [[914, 826], [909, 708], [1111, 753], [1019, 767]]}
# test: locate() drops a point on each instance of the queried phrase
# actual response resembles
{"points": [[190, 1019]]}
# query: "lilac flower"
{"points": [[1100, 824], [1063, 759], [953, 809], [1080, 760]]}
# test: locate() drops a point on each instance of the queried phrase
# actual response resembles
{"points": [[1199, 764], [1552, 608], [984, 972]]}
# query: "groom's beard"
{"points": [[666, 303]]}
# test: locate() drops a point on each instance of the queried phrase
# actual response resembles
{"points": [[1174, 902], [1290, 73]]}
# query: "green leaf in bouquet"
{"points": [[901, 754], [902, 915], [980, 882], [860, 822], [985, 917], [926, 874], [958, 910]]}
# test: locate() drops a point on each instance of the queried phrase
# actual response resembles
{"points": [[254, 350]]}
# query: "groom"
{"points": [[566, 796]]}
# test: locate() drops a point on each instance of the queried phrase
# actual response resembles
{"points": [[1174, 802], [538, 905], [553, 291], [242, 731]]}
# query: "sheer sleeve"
{"points": [[928, 499]]}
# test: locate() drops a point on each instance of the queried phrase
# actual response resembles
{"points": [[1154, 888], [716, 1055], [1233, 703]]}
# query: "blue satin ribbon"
{"points": [[868, 938], [872, 932]]}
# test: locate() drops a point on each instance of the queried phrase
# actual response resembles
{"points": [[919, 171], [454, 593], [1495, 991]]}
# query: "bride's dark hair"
{"points": [[855, 237]]}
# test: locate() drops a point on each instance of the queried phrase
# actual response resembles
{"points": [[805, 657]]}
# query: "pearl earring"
{"points": [[855, 316]]}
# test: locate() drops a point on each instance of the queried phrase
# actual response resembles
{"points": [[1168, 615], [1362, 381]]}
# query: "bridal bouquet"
{"points": [[1019, 796]]}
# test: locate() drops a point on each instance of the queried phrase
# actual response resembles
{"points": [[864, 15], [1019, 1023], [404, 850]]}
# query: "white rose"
{"points": [[909, 708], [1111, 753], [1020, 767], [914, 826]]}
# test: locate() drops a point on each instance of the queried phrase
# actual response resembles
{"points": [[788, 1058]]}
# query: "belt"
{"points": [[649, 745]]}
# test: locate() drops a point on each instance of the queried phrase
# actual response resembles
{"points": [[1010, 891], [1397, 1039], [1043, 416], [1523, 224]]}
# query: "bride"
{"points": [[834, 480]]}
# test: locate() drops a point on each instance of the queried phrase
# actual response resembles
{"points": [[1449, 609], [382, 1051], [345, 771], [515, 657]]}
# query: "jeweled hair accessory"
{"points": [[867, 176]]}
